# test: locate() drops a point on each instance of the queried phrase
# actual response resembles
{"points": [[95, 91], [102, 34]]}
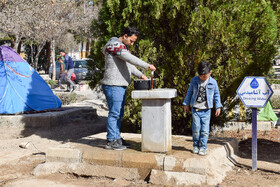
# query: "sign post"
{"points": [[254, 92], [254, 139]]}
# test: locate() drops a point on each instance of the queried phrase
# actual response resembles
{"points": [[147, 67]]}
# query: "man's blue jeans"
{"points": [[200, 127], [115, 96], [68, 78]]}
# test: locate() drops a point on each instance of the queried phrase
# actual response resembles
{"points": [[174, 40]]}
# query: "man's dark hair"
{"points": [[130, 31], [203, 68], [62, 50]]}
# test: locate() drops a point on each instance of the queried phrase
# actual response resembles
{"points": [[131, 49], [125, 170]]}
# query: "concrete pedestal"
{"points": [[156, 118]]}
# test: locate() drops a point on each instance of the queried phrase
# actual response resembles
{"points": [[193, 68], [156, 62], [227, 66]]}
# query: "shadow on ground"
{"points": [[268, 151], [69, 129]]}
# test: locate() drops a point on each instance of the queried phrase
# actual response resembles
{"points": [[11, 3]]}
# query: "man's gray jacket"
{"points": [[119, 64]]}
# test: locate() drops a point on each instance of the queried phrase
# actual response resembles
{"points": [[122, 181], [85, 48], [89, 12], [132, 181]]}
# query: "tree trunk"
{"points": [[48, 57], [39, 48], [31, 56], [19, 47], [53, 59], [82, 48], [12, 43], [87, 48]]}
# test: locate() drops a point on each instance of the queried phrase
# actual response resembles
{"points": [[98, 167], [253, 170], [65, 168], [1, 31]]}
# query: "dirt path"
{"points": [[268, 173]]}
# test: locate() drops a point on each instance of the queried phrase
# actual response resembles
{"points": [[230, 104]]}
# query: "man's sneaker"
{"points": [[67, 91], [123, 142], [74, 88], [202, 151], [114, 145], [195, 150]]}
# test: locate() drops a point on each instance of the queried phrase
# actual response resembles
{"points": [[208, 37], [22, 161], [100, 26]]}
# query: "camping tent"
{"points": [[21, 87], [267, 114]]}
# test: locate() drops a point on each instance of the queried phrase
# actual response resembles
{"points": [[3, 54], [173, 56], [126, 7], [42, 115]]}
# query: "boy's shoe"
{"points": [[61, 87], [123, 142], [202, 151], [114, 145], [195, 150]]}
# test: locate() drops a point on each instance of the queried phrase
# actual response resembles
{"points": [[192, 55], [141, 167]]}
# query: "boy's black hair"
{"points": [[59, 58], [203, 68], [130, 31], [62, 50]]}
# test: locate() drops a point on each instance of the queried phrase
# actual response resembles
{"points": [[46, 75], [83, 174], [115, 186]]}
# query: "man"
{"points": [[119, 65], [69, 70]]}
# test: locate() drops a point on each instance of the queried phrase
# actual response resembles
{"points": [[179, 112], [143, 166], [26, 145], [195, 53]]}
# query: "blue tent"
{"points": [[21, 87]]}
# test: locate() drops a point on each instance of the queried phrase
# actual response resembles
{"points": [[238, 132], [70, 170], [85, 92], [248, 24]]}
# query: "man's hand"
{"points": [[186, 108], [218, 111], [65, 71], [144, 77], [152, 67]]}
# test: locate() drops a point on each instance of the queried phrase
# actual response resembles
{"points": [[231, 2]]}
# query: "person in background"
{"points": [[119, 65], [61, 73], [202, 93], [69, 69]]}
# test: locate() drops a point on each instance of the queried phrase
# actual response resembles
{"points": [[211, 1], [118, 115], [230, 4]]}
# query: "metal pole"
{"points": [[254, 139]]}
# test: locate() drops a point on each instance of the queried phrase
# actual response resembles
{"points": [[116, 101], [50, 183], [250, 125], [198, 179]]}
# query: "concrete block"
{"points": [[170, 178], [103, 157], [156, 125], [237, 125], [47, 168], [104, 171], [83, 169], [63, 155], [142, 160], [263, 125], [162, 93], [196, 165], [172, 163], [42, 120], [156, 119]]}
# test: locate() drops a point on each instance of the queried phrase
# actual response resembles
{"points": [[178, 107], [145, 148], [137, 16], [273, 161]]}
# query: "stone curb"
{"points": [[41, 120], [83, 169], [237, 125], [174, 169]]}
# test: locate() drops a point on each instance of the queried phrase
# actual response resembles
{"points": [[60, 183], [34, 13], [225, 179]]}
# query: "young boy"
{"points": [[62, 76], [203, 90]]}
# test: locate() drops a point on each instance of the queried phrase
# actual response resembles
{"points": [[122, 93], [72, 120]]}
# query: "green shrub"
{"points": [[275, 101], [67, 99], [238, 38], [52, 82], [273, 81]]}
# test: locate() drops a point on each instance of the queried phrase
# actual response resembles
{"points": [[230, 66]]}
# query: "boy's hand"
{"points": [[186, 108], [218, 111]]}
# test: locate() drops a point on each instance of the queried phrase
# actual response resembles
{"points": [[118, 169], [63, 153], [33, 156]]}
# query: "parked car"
{"points": [[80, 69]]}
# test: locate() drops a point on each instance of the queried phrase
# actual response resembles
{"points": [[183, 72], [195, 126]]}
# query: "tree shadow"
{"points": [[268, 151], [68, 127]]}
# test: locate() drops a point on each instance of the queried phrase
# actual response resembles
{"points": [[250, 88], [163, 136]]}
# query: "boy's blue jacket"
{"points": [[212, 93]]}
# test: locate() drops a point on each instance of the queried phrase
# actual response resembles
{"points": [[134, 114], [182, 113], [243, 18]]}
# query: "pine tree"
{"points": [[237, 37]]}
